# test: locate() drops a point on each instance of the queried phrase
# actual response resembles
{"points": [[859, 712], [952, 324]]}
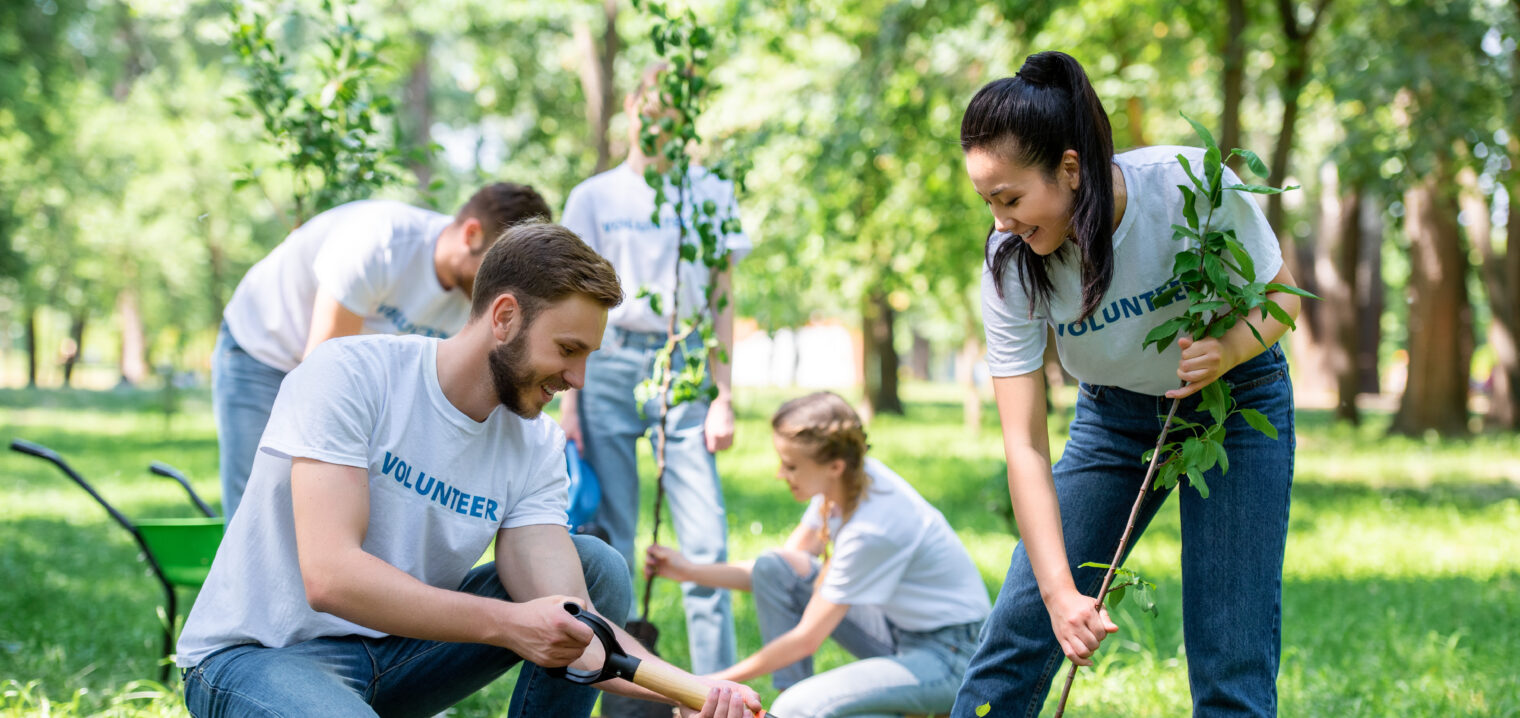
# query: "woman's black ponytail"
{"points": [[1031, 119]]}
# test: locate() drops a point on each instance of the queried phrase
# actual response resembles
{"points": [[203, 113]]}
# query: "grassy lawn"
{"points": [[1401, 597]]}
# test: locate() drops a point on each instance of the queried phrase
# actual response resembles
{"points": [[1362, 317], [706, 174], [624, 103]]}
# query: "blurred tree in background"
{"points": [[121, 231]]}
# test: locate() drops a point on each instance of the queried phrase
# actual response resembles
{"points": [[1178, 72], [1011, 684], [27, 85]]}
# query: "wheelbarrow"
{"points": [[179, 551]]}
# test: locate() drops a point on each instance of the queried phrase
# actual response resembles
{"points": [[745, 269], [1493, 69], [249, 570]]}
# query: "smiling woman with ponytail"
{"points": [[871, 563], [1081, 244]]}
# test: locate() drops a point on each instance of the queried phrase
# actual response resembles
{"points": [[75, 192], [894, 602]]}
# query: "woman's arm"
{"points": [[806, 540], [1079, 626], [1208, 359], [670, 563], [819, 619]]}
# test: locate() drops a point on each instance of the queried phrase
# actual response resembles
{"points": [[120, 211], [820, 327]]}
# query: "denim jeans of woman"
{"points": [[353, 676], [899, 672], [1232, 549]]}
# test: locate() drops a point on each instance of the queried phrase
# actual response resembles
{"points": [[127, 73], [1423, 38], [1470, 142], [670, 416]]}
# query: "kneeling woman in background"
{"points": [[900, 592]]}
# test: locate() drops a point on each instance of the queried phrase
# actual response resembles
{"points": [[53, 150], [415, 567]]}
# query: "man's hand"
{"points": [[666, 561], [719, 427], [544, 633], [727, 700], [1203, 362]]}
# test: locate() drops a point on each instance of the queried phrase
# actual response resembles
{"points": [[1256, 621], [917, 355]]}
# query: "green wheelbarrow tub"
{"points": [[183, 548]]}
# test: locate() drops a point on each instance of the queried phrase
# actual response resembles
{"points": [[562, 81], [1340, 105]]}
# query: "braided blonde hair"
{"points": [[825, 425]]}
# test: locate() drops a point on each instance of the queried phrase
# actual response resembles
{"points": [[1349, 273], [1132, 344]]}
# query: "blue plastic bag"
{"points": [[585, 490]]}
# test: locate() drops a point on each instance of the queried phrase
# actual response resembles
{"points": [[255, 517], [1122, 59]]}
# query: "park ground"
{"points": [[1401, 580]]}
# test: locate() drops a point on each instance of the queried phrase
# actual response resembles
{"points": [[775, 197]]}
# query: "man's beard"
{"points": [[510, 375]]}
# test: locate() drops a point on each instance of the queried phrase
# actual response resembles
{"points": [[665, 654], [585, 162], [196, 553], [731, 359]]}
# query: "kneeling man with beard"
{"points": [[346, 584]]}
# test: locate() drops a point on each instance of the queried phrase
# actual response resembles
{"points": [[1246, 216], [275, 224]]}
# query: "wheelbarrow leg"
{"points": [[172, 614]]}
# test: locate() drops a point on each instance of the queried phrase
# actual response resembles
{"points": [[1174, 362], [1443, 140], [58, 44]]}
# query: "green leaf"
{"points": [[1195, 477], [1116, 597], [1259, 339], [1258, 189], [1203, 133], [1188, 168], [1189, 205], [1181, 232], [1252, 161], [1259, 422], [983, 709], [1279, 313], [1223, 456], [1243, 258], [1214, 401], [1290, 289], [1185, 261], [1166, 333]]}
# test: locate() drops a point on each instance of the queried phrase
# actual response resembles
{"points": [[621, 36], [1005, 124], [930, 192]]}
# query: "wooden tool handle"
{"points": [[671, 683]]}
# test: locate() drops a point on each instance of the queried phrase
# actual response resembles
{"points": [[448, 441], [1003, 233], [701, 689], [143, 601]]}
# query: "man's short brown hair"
{"points": [[541, 263], [501, 205]]}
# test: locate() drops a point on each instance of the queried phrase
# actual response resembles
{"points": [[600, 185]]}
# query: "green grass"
{"points": [[1401, 597]]}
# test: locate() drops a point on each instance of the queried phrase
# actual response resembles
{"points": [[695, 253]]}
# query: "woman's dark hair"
{"points": [[1031, 119]]}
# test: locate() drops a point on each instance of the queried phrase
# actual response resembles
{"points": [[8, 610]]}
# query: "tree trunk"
{"points": [[31, 346], [1234, 54], [1440, 322], [134, 361], [1308, 340], [597, 81], [1499, 273], [76, 347], [1341, 244], [921, 358], [880, 355], [419, 111], [1370, 299]]}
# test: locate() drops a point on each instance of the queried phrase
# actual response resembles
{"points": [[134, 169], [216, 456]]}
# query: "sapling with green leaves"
{"points": [[670, 134], [1203, 275]]}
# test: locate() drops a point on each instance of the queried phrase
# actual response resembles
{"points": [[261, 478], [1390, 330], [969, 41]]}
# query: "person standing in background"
{"points": [[612, 213], [372, 266]]}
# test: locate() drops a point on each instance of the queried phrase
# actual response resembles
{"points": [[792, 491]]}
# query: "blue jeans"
{"points": [[611, 427], [393, 676], [899, 672], [1232, 549], [242, 395]]}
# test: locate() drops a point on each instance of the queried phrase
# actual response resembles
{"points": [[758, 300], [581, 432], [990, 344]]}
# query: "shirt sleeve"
{"points": [[1251, 229], [1015, 339], [866, 569], [355, 264], [323, 411], [546, 492], [579, 217]]}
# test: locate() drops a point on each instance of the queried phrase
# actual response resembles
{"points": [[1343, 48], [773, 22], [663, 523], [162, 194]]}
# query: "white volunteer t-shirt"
{"points": [[1106, 348], [375, 257], [611, 212], [440, 486], [898, 552]]}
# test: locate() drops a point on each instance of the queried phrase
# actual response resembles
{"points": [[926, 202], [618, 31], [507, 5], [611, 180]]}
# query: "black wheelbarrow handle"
{"points": [[42, 452], [162, 469], [664, 680]]}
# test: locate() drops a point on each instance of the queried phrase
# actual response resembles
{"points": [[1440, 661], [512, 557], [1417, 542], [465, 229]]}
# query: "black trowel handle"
{"points": [[667, 681]]}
